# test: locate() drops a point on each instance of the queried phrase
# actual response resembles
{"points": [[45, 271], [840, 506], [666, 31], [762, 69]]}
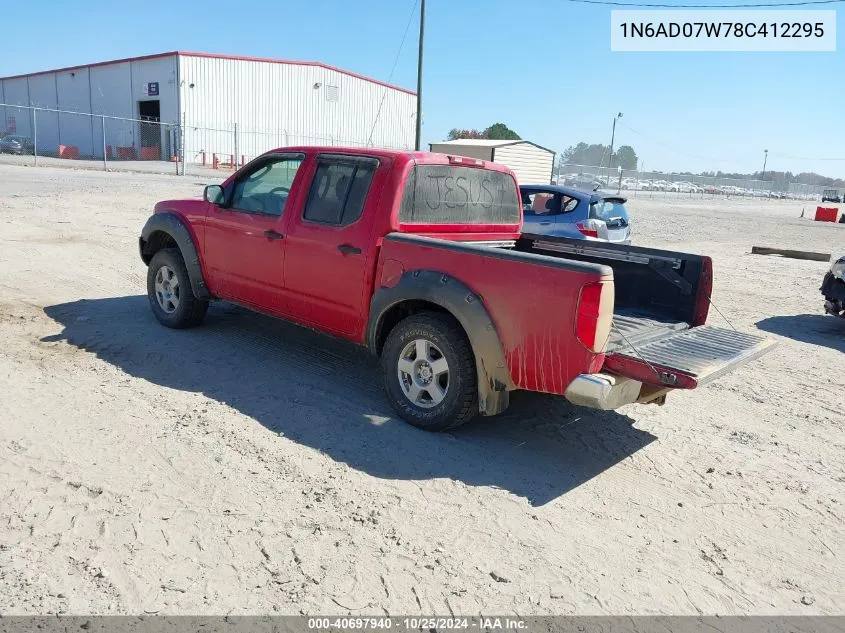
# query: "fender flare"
{"points": [[494, 379], [171, 224]]}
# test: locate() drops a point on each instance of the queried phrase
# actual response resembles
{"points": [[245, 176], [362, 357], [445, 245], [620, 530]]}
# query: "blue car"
{"points": [[584, 215]]}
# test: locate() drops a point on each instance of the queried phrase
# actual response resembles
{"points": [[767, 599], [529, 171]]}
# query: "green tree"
{"points": [[497, 131], [625, 157], [584, 154], [501, 132]]}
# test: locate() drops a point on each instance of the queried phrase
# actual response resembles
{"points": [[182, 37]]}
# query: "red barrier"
{"points": [[68, 151], [203, 158], [108, 152], [215, 162], [150, 153], [827, 214], [126, 153]]}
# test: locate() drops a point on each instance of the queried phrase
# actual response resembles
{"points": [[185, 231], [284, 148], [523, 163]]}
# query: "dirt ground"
{"points": [[250, 466]]}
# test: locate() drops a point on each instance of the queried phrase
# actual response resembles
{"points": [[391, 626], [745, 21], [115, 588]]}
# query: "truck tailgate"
{"points": [[688, 358]]}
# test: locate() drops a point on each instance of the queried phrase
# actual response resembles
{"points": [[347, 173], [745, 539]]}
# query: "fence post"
{"points": [[184, 134], [35, 136], [235, 155], [105, 158], [174, 151]]}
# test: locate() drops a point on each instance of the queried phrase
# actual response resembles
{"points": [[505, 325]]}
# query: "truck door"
{"points": [[244, 236], [330, 247]]}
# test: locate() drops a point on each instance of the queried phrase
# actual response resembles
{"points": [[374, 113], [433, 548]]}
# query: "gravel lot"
{"points": [[250, 466]]}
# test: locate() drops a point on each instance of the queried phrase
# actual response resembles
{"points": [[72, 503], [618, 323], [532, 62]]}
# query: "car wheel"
{"points": [[429, 372], [169, 291]]}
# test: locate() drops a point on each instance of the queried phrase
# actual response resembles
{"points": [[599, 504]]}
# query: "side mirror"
{"points": [[213, 194]]}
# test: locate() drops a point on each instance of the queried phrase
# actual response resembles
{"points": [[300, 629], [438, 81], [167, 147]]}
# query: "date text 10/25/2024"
{"points": [[417, 623]]}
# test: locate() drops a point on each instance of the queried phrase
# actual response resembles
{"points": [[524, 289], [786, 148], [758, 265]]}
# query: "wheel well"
{"points": [[399, 312], [157, 241]]}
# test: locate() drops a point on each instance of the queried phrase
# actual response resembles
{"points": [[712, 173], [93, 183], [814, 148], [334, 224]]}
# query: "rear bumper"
{"points": [[603, 391]]}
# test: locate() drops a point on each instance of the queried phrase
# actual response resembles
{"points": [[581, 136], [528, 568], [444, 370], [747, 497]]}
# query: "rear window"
{"points": [[611, 212], [445, 194]]}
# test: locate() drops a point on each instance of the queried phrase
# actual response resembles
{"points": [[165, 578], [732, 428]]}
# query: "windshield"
{"points": [[443, 194], [611, 212]]}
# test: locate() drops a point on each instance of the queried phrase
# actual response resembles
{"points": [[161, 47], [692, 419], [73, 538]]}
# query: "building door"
{"points": [[149, 112]]}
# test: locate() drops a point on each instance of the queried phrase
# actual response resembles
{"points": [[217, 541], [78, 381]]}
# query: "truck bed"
{"points": [[633, 329], [658, 333]]}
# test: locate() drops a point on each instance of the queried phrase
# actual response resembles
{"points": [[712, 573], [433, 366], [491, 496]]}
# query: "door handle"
{"points": [[273, 235], [545, 223], [348, 249]]}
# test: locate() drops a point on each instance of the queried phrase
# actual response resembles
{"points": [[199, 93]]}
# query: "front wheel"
{"points": [[429, 372], [169, 291]]}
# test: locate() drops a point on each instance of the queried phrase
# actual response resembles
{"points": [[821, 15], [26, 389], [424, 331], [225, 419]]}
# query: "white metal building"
{"points": [[269, 102], [531, 163]]}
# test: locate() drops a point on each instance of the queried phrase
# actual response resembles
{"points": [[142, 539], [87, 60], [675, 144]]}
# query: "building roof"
{"points": [[484, 142], [214, 56]]}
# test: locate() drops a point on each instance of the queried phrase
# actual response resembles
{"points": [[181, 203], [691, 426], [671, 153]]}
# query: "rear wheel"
{"points": [[169, 291], [429, 372]]}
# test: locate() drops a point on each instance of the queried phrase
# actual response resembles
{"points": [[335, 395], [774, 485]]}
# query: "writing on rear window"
{"points": [[443, 194]]}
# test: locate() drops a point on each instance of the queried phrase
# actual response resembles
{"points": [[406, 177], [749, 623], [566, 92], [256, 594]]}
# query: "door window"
{"points": [[338, 191], [265, 189], [540, 203]]}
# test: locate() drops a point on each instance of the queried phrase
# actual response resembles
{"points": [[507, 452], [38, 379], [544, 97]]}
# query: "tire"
{"points": [[447, 399], [174, 304]]}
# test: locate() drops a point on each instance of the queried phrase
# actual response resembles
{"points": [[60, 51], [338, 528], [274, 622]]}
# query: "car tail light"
{"points": [[705, 289], [587, 229], [595, 315]]}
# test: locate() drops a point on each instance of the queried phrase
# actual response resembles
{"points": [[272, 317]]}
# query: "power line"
{"points": [[675, 149], [758, 5], [393, 69], [803, 157]]}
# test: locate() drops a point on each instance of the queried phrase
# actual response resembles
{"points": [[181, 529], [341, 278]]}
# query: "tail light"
{"points": [[588, 228], [464, 160], [595, 315], [705, 289]]}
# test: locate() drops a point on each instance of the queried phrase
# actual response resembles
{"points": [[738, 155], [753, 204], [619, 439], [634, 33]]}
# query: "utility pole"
{"points": [[765, 158], [613, 137], [420, 75]]}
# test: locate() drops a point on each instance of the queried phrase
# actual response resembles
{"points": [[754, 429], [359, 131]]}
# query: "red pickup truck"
{"points": [[419, 257]]}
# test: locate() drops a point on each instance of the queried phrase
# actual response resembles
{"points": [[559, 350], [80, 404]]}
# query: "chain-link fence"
{"points": [[33, 135], [46, 136], [655, 183]]}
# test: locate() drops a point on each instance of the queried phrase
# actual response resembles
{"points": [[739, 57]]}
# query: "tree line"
{"points": [[598, 155]]}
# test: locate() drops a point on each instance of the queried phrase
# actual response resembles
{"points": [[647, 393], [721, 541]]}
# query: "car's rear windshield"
{"points": [[611, 211], [446, 194]]}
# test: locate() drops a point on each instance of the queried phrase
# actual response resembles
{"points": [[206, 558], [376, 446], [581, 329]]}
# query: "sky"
{"points": [[542, 67]]}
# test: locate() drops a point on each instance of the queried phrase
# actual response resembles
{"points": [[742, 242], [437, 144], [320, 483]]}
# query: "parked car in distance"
{"points": [[14, 144], [420, 258], [833, 287], [587, 182], [832, 195], [576, 214]]}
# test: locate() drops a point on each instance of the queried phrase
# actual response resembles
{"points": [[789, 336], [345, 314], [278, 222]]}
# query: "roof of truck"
{"points": [[431, 158]]}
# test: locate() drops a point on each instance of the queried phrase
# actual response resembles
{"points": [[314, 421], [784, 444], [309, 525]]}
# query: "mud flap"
{"points": [[685, 360]]}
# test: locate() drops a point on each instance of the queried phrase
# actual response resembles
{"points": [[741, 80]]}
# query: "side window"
{"points": [[539, 203], [338, 191], [568, 204], [265, 189]]}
